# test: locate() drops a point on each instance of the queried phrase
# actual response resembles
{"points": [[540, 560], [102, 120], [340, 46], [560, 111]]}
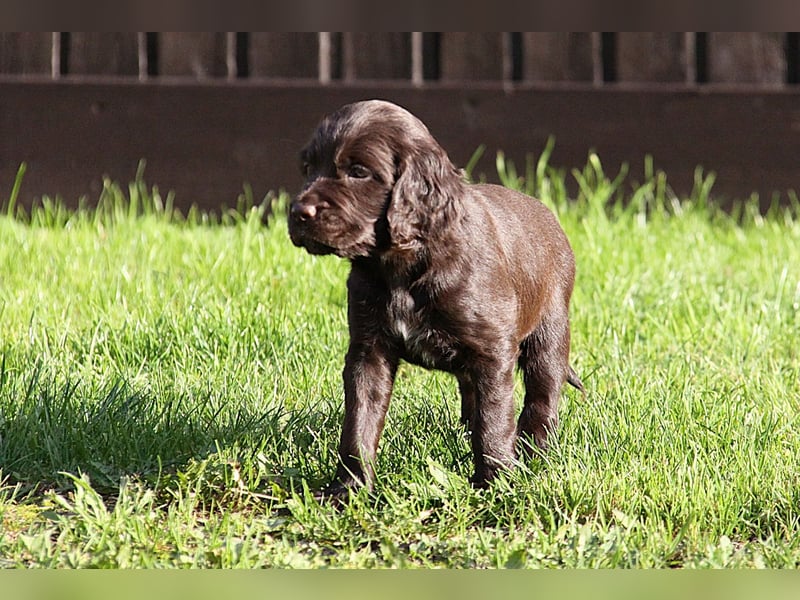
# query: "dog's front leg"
{"points": [[493, 427], [368, 378]]}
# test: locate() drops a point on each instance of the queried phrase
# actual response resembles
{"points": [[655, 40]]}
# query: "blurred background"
{"points": [[215, 113]]}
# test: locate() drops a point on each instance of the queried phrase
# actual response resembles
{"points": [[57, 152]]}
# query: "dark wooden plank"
{"points": [[370, 55], [793, 57], [467, 55], [199, 54], [205, 140], [747, 57], [275, 54], [652, 56], [103, 53], [26, 53], [557, 56]]}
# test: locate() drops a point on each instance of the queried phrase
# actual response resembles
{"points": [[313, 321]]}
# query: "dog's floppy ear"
{"points": [[425, 184]]}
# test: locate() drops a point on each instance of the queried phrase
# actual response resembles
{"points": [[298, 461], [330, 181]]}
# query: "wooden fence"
{"points": [[211, 111]]}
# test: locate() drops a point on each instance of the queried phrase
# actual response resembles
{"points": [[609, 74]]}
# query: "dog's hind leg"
{"points": [[544, 361], [467, 391]]}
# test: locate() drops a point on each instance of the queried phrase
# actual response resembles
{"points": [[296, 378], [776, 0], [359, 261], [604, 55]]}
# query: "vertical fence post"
{"points": [[417, 68], [472, 56], [690, 58], [649, 57], [597, 58], [230, 55], [348, 56], [141, 46], [55, 55], [751, 57], [556, 56], [324, 57], [508, 59]]}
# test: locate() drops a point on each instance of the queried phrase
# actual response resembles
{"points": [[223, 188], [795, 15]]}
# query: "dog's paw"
{"points": [[337, 493]]}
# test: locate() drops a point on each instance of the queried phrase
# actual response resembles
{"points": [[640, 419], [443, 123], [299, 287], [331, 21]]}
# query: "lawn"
{"points": [[170, 395]]}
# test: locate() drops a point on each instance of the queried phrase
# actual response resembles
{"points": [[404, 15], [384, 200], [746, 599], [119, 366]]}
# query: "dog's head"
{"points": [[376, 180]]}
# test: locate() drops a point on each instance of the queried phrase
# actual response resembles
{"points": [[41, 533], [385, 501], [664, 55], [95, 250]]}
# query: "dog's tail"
{"points": [[575, 381]]}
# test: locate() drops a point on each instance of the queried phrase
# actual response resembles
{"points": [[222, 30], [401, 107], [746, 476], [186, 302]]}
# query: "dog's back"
{"points": [[532, 249]]}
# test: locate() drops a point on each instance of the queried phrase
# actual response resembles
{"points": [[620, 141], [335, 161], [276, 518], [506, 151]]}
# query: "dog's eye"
{"points": [[358, 171], [306, 169]]}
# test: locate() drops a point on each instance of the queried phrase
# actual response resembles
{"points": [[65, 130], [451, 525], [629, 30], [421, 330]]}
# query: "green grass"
{"points": [[170, 393]]}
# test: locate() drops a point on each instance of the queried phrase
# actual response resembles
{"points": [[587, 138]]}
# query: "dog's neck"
{"points": [[395, 267], [398, 264], [403, 266]]}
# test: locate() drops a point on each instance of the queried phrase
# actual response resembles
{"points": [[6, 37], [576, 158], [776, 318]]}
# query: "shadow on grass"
{"points": [[124, 430]]}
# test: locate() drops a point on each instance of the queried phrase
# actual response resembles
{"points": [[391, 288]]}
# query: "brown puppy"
{"points": [[469, 279]]}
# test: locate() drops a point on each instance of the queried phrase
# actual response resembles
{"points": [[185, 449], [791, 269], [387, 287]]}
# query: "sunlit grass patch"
{"points": [[170, 394]]}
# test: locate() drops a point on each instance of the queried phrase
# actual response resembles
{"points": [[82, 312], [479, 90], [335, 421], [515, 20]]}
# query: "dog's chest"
{"points": [[414, 321]]}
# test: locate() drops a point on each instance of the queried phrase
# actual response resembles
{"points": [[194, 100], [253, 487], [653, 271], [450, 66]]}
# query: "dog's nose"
{"points": [[303, 211]]}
